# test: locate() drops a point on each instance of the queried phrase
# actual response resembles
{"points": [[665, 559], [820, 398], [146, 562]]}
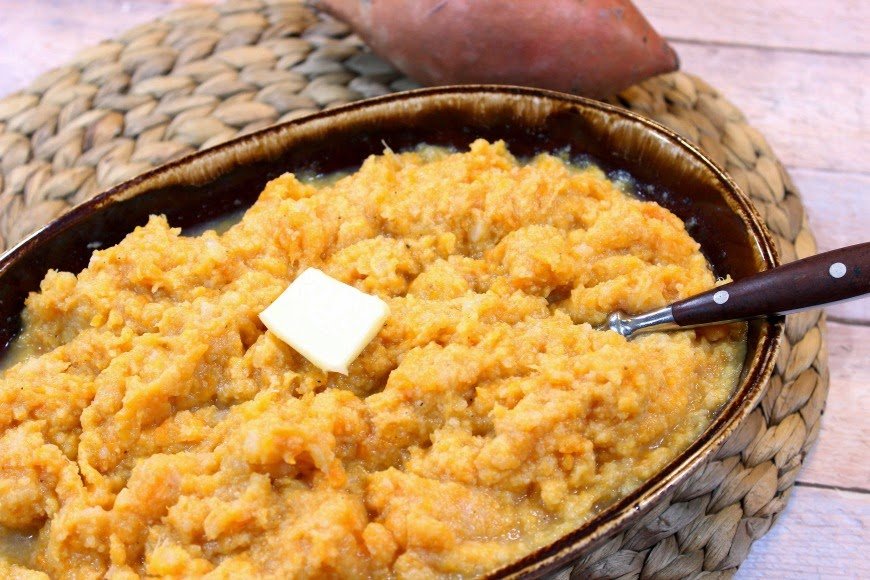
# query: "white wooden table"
{"points": [[800, 71]]}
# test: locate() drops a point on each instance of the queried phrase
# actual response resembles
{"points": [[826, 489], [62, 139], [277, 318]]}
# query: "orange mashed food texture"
{"points": [[159, 430]]}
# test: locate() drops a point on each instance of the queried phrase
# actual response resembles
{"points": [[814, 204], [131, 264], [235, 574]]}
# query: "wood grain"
{"points": [[821, 534], [817, 25], [813, 108], [837, 205], [840, 455], [38, 35]]}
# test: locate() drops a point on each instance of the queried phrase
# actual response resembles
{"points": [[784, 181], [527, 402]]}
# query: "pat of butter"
{"points": [[324, 320]]}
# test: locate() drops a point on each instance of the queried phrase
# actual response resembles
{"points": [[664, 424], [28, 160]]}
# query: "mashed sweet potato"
{"points": [[158, 429]]}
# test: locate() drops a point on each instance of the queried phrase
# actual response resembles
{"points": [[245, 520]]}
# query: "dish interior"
{"points": [[686, 189], [578, 134]]}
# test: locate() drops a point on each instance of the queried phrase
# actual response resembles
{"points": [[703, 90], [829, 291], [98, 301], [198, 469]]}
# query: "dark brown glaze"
{"points": [[669, 170]]}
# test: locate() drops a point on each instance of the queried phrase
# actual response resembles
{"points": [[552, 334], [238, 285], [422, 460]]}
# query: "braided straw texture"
{"points": [[202, 75]]}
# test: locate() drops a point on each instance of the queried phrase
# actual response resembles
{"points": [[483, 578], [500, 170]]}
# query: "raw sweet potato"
{"points": [[587, 47]]}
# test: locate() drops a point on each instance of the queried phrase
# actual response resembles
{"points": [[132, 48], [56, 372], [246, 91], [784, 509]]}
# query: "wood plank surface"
{"points": [[837, 204], [821, 534], [839, 457], [36, 35], [813, 108], [800, 71], [808, 25]]}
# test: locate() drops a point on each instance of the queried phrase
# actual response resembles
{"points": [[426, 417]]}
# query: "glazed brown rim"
{"points": [[622, 513]]}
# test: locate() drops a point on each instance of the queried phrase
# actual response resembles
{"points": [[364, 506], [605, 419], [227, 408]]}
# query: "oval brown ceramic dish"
{"points": [[219, 180]]}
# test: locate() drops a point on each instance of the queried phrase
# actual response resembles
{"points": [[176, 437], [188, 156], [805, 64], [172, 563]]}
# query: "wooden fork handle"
{"points": [[830, 277]]}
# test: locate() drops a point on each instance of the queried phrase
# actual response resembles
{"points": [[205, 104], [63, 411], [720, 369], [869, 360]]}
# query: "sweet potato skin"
{"points": [[587, 47]]}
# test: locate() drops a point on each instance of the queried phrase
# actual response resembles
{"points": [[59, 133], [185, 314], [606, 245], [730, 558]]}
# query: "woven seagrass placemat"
{"points": [[202, 75]]}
